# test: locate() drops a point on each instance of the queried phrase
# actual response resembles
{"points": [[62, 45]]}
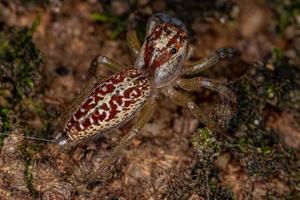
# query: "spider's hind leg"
{"points": [[117, 152]]}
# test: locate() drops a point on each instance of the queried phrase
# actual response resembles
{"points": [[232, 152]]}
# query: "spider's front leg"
{"points": [[131, 36], [116, 153], [209, 61], [227, 96], [194, 84]]}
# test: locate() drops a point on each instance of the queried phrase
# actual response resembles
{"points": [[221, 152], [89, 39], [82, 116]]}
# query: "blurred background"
{"points": [[46, 48]]}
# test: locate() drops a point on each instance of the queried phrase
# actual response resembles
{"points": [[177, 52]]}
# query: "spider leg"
{"points": [[227, 96], [182, 100], [194, 84], [146, 114], [209, 61], [110, 63], [131, 36]]}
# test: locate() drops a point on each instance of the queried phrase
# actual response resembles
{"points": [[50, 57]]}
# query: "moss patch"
{"points": [[285, 13], [5, 122], [261, 91], [19, 60], [27, 152], [20, 63]]}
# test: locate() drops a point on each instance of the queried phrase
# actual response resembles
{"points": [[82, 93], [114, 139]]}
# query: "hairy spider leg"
{"points": [[194, 84], [184, 101], [209, 61], [109, 63], [117, 152], [131, 35]]}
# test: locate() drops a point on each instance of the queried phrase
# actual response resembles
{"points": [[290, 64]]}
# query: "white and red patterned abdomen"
{"points": [[110, 104]]}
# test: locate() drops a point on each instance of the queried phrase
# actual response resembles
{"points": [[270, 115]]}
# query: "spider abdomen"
{"points": [[111, 103]]}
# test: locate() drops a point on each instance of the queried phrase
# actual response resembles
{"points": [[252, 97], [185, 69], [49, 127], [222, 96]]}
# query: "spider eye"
{"points": [[173, 50]]}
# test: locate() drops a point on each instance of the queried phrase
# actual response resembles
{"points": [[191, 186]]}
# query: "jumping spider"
{"points": [[158, 68]]}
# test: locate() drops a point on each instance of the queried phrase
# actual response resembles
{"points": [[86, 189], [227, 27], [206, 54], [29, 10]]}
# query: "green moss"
{"points": [[5, 120], [4, 113], [39, 109], [258, 163], [119, 24], [206, 142], [270, 92], [260, 92], [27, 152], [206, 181], [285, 13], [35, 106], [20, 63], [19, 59]]}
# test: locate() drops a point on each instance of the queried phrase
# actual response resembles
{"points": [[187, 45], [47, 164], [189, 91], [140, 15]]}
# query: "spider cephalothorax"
{"points": [[163, 52]]}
